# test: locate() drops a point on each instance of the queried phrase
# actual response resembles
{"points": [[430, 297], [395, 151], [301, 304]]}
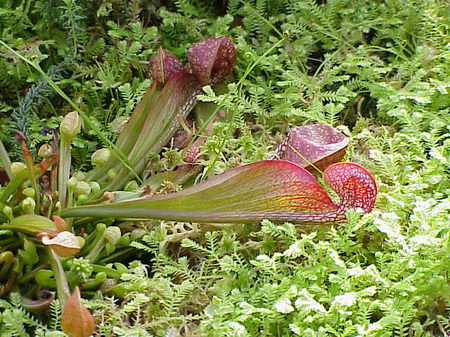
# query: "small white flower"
{"points": [[357, 271], [307, 302], [364, 331], [238, 329], [284, 306], [295, 329], [346, 299]]}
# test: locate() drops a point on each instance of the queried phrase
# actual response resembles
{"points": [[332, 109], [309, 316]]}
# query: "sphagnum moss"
{"points": [[380, 69]]}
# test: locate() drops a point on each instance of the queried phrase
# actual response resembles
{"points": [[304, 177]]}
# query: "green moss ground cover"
{"points": [[379, 71]]}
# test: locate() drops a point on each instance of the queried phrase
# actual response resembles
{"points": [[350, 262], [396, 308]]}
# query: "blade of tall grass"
{"points": [[5, 161]]}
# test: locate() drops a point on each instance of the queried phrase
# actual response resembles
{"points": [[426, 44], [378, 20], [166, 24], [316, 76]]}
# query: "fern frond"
{"points": [[36, 96], [191, 244], [55, 315], [73, 21], [232, 6], [177, 294]]}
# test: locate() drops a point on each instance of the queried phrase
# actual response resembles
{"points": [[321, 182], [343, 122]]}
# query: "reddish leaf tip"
{"points": [[163, 65], [318, 144], [354, 184], [212, 59], [76, 320]]}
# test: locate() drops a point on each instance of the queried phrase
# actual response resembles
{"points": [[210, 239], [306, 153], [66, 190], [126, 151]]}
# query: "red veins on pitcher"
{"points": [[276, 190]]}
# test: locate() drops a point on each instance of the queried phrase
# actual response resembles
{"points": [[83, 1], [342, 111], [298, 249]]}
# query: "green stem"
{"points": [[5, 161], [110, 272], [30, 275], [21, 177], [117, 256], [63, 171], [257, 13], [62, 286], [96, 250], [30, 167]]}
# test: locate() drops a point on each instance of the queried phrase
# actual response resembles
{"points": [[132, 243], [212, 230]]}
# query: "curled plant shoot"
{"points": [[69, 128]]}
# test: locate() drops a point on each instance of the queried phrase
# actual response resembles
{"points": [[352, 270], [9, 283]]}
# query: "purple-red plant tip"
{"points": [[212, 59], [76, 320], [355, 186], [163, 65], [316, 144]]}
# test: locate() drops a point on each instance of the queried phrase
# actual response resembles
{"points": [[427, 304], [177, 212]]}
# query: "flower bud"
{"points": [[28, 205], [100, 157], [45, 278], [45, 151], [107, 285], [112, 234], [119, 123], [72, 184], [131, 186], [17, 167], [137, 234], [81, 241], [82, 188], [79, 175], [125, 240], [29, 192], [82, 199], [100, 228], [70, 126], [95, 283], [8, 212], [109, 196], [111, 175], [95, 188]]}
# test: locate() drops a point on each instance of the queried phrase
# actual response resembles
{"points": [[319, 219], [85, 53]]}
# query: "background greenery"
{"points": [[377, 70]]}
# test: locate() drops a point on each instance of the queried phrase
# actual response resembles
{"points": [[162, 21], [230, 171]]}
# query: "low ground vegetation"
{"points": [[378, 71]]}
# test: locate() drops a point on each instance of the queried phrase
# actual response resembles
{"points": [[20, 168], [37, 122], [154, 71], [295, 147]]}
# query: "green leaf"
{"points": [[276, 190], [24, 175], [31, 223]]}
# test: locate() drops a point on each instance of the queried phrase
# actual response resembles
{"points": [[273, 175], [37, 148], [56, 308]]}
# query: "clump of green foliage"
{"points": [[377, 70]]}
